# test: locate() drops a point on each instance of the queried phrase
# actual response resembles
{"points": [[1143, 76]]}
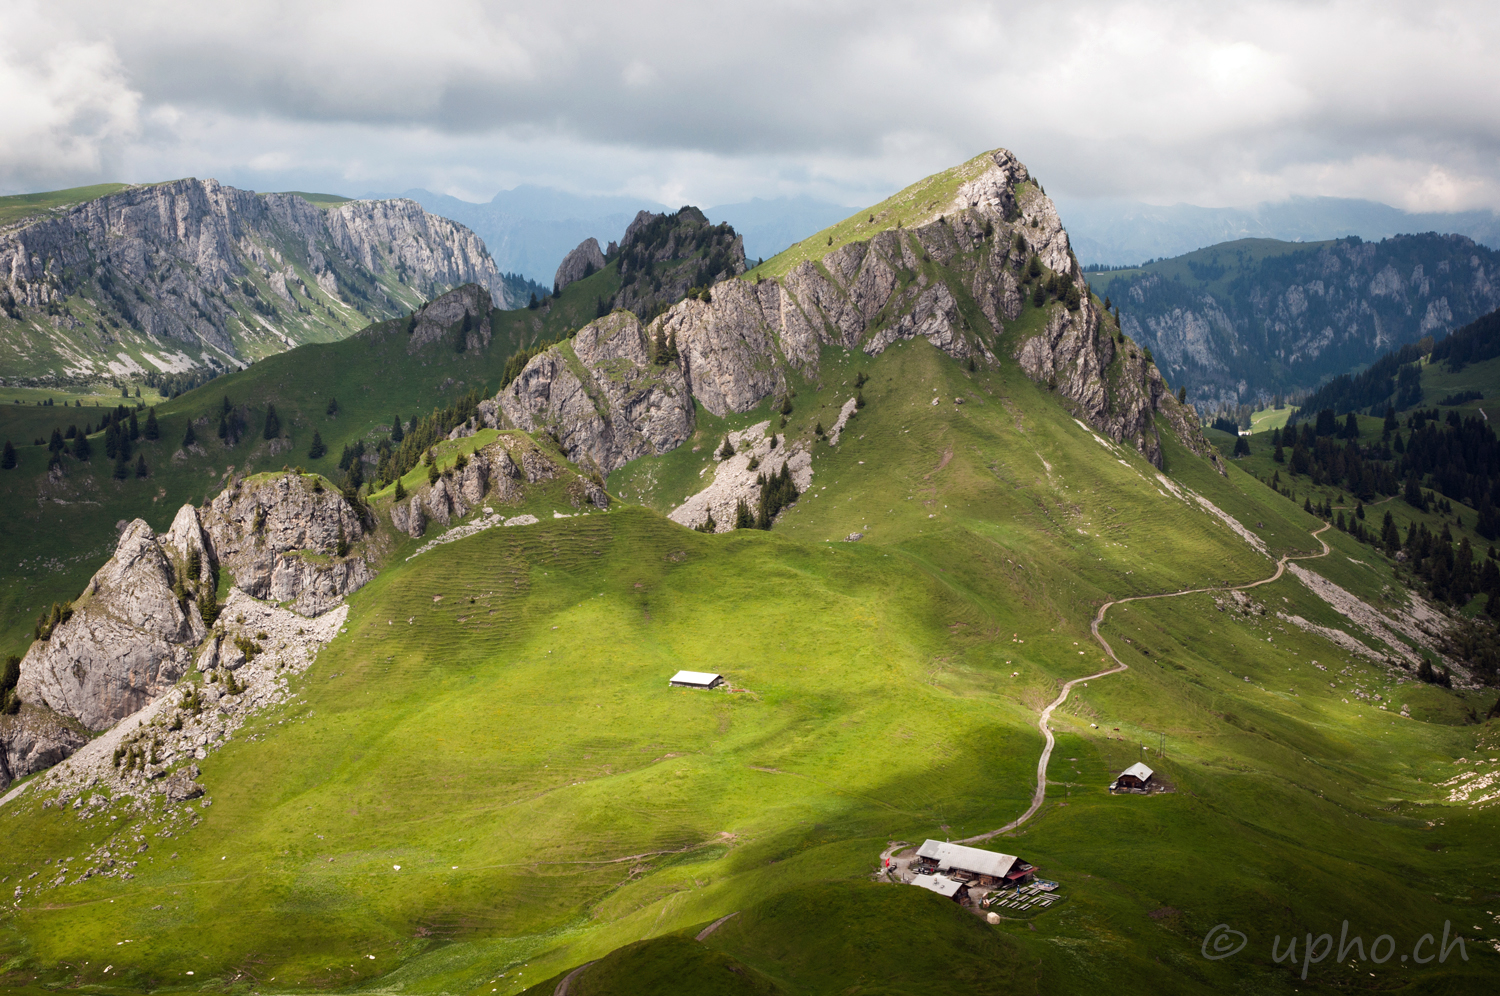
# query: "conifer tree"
{"points": [[400, 490], [190, 437], [8, 458], [135, 428], [122, 469], [153, 431], [333, 407], [273, 424], [81, 448], [140, 466], [1412, 493], [726, 451], [224, 427], [742, 517], [317, 449], [397, 433]]}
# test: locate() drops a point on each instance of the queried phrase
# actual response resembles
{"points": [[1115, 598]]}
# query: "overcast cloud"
{"points": [[695, 102]]}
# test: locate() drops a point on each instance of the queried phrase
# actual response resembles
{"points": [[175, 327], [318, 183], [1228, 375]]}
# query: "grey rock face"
{"points": [[579, 263], [606, 408], [129, 638], [602, 397], [281, 537], [1239, 329], [171, 266], [34, 739], [463, 312], [492, 473], [180, 785]]}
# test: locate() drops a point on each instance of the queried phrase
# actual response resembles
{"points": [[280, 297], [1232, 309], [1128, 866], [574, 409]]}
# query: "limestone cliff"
{"points": [[34, 739], [496, 473], [130, 636], [579, 263], [139, 625], [191, 274], [982, 246], [287, 538], [602, 396]]}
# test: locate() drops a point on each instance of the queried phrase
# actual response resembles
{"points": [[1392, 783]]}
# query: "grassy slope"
{"points": [[19, 207], [56, 534], [909, 207], [514, 748], [1437, 383]]}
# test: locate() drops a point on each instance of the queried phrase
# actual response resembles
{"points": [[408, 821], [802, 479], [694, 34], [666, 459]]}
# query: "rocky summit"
{"points": [[956, 275]]}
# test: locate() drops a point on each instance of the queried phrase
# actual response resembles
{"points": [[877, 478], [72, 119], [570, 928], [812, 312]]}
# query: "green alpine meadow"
{"points": [[876, 618]]}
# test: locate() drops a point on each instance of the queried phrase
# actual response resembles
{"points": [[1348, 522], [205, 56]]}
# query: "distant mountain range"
{"points": [[1115, 232], [528, 230], [1239, 322]]}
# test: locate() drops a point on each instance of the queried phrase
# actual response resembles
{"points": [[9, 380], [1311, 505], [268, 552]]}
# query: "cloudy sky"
{"points": [[1204, 103]]}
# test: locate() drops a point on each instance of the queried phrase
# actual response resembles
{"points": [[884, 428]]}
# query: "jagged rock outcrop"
{"points": [[602, 396], [139, 625], [903, 282], [579, 263], [173, 270], [461, 313], [662, 256], [497, 473], [33, 739], [130, 637], [286, 538]]}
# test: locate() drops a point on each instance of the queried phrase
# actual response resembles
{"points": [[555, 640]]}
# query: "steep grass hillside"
{"points": [[485, 782]]}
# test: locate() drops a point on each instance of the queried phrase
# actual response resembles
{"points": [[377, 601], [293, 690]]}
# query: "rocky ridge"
{"points": [[140, 624], [496, 472], [191, 274], [602, 396], [606, 404], [579, 263]]}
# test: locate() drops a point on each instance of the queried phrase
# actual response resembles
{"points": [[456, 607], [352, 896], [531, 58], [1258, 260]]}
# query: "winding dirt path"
{"points": [[1040, 795]]}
